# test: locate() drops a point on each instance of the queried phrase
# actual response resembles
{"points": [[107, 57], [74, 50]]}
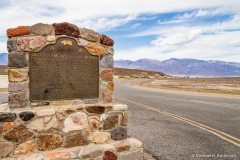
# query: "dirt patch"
{"points": [[229, 85]]}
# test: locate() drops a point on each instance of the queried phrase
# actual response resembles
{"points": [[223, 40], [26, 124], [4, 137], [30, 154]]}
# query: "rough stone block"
{"points": [[11, 45], [99, 137], [89, 34], [94, 122], [31, 43], [19, 133], [97, 49], [133, 155], [83, 42], [110, 122], [61, 114], [17, 75], [111, 86], [110, 50], [7, 117], [5, 149], [90, 101], [26, 116], [45, 125], [16, 87], [91, 152], [75, 121], [45, 112], [17, 60], [105, 40], [42, 29], [48, 142], [136, 143], [119, 133], [51, 38], [107, 61], [57, 156], [122, 146], [107, 97], [66, 29], [107, 74], [8, 125], [19, 31], [108, 155], [125, 118], [75, 139], [18, 100], [95, 109], [25, 148], [120, 107]]}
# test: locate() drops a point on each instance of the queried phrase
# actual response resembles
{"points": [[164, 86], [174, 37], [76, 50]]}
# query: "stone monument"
{"points": [[61, 102]]}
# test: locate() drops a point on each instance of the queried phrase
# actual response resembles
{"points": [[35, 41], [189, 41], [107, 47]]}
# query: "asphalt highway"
{"points": [[182, 125], [179, 126]]}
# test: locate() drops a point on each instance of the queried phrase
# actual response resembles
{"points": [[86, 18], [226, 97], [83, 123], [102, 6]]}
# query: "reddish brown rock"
{"points": [[18, 134], [57, 156], [108, 155], [94, 48], [48, 142], [8, 125], [25, 148], [75, 139], [94, 123], [31, 43], [95, 109], [7, 117], [122, 146], [110, 122], [107, 74], [105, 40], [107, 97], [111, 86], [19, 31], [66, 29]]}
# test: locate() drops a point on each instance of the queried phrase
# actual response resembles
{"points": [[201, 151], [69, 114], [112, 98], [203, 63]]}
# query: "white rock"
{"points": [[136, 143], [99, 137], [75, 121], [120, 107]]}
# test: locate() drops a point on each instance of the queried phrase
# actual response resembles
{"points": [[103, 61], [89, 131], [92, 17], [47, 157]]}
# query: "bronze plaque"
{"points": [[63, 71]]}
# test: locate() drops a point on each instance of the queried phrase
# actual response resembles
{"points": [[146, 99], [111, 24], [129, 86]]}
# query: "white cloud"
{"points": [[222, 46], [177, 39]]}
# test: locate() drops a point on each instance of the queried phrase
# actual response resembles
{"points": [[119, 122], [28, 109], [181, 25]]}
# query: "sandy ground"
{"points": [[229, 86]]}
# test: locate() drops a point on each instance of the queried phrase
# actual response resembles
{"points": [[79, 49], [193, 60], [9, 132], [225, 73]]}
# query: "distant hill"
{"points": [[3, 58], [184, 67]]}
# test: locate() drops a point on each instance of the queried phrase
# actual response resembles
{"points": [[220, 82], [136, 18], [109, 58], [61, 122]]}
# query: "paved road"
{"points": [[176, 126]]}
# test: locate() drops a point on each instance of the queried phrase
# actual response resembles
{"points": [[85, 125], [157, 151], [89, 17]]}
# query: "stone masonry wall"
{"points": [[84, 129], [26, 39]]}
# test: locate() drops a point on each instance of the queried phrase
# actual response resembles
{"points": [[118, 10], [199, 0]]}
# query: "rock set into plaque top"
{"points": [[61, 97]]}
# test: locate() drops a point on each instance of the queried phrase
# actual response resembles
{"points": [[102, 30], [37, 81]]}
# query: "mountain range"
{"points": [[3, 58], [174, 66], [184, 67]]}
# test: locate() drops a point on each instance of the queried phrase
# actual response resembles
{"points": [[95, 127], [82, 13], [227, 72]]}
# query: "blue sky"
{"points": [[200, 29]]}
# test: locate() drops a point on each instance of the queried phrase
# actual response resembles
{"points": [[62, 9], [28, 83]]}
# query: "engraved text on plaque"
{"points": [[63, 71]]}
